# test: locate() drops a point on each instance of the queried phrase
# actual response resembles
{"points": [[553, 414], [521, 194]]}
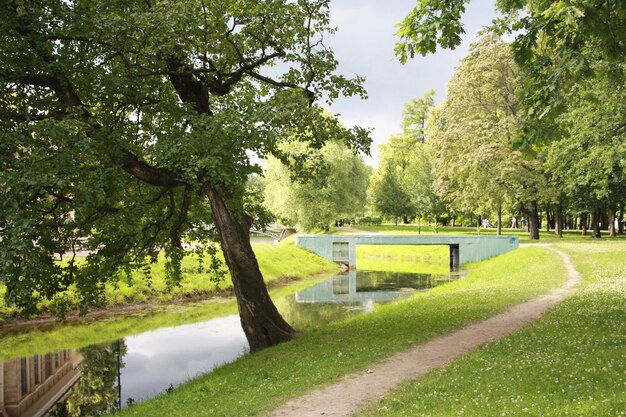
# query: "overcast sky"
{"points": [[364, 45]]}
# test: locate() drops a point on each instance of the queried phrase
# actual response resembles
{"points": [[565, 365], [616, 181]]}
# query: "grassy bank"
{"points": [[259, 382], [92, 330], [570, 362], [97, 329], [278, 262]]}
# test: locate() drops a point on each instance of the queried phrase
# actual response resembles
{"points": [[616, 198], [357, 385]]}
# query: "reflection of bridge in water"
{"points": [[347, 289], [463, 249]]}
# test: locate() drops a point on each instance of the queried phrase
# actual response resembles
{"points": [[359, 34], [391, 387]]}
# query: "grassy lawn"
{"points": [[569, 363], [278, 262], [433, 259], [261, 381]]}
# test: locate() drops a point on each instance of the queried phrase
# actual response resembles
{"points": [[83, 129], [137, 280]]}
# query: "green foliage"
{"points": [[120, 119], [431, 23], [588, 160], [472, 132], [334, 189], [557, 43], [387, 195], [403, 183]]}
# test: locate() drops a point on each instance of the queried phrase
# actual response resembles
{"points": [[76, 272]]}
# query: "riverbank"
{"points": [[257, 383], [141, 293]]}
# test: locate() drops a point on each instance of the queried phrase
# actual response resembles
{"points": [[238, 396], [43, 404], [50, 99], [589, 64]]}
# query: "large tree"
{"points": [[472, 135], [387, 195], [403, 183], [572, 54], [588, 160], [133, 123], [335, 190], [557, 43]]}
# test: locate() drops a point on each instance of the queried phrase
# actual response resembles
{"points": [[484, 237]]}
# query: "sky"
{"points": [[364, 45]]}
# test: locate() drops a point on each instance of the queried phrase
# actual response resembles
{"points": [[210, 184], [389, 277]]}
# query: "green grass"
{"points": [[568, 235], [570, 362], [52, 337], [261, 381], [433, 259], [277, 263]]}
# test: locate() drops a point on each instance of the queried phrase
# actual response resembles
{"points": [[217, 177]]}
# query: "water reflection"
{"points": [[352, 293], [98, 389], [92, 380], [368, 287], [157, 359], [29, 384]]}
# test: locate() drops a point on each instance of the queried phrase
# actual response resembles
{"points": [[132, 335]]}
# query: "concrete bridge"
{"points": [[342, 248]]}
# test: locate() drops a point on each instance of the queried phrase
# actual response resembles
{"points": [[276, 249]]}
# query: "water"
{"points": [[104, 377]]}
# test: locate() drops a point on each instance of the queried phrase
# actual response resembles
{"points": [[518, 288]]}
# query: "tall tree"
{"points": [[472, 135], [387, 195], [133, 122], [557, 42], [336, 190], [407, 157], [589, 159]]}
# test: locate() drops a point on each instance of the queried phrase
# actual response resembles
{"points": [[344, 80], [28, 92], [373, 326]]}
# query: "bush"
{"points": [[369, 220]]}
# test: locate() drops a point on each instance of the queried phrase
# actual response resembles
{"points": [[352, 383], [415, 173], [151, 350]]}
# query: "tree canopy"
{"points": [[133, 123], [569, 68], [336, 189], [402, 185]]}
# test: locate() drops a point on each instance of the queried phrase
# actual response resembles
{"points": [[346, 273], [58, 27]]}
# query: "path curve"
{"points": [[353, 392]]}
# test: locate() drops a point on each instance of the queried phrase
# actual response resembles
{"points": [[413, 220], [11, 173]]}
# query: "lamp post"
{"points": [[419, 217]]}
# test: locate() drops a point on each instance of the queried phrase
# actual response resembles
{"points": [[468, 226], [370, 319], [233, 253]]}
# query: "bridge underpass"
{"points": [[342, 248]]}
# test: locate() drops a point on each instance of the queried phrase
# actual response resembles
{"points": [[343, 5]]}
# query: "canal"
{"points": [[93, 379]]}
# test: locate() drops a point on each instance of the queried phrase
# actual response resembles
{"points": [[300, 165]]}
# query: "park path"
{"points": [[353, 392]]}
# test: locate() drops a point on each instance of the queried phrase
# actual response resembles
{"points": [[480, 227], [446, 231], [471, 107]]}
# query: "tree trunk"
{"points": [[611, 222], [558, 221], [620, 220], [549, 220], [583, 224], [261, 322], [533, 220], [595, 222], [500, 220]]}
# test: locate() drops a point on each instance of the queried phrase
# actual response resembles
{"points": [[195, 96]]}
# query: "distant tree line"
{"points": [[487, 151]]}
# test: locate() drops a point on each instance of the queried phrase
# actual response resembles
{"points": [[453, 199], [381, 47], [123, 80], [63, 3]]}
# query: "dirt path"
{"points": [[353, 392]]}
